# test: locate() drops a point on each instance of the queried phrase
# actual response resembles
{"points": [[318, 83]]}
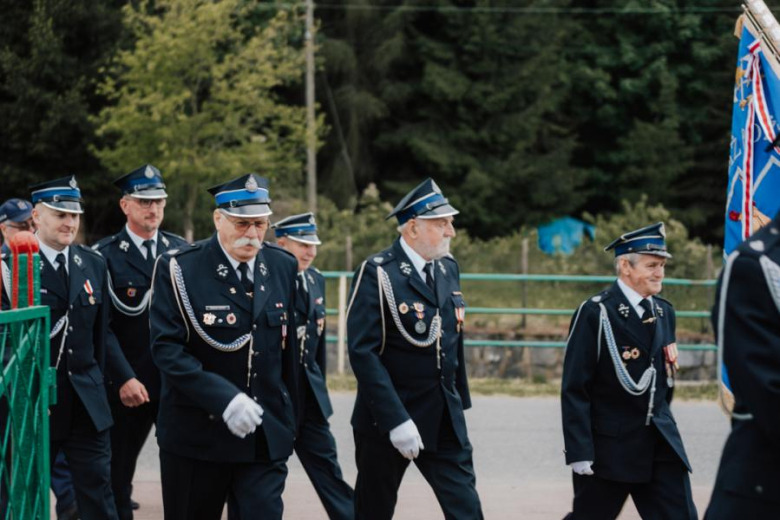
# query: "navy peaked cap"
{"points": [[649, 240], [60, 194], [424, 201], [246, 196], [145, 182], [15, 210], [302, 228]]}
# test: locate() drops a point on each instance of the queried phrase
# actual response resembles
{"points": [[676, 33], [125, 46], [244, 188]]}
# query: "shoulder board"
{"points": [[174, 236], [450, 258], [661, 298], [274, 247], [604, 295], [87, 249], [183, 249], [315, 270], [382, 258], [103, 242]]}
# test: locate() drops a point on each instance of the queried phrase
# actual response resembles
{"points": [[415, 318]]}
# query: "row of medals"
{"points": [[419, 310]]}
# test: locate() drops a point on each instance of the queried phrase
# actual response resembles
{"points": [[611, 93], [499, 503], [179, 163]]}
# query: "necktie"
{"points": [[429, 277], [647, 318], [243, 268], [303, 291], [61, 271], [149, 252]]}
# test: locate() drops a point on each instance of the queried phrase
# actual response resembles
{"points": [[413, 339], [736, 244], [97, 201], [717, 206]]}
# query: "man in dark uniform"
{"points": [[315, 445], [134, 382], [405, 328], [74, 284], [223, 336], [618, 374], [15, 216], [746, 320]]}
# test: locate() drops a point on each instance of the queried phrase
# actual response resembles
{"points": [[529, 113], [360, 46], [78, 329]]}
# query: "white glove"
{"points": [[582, 467], [242, 415], [406, 439]]}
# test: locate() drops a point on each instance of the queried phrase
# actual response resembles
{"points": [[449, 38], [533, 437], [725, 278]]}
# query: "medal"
{"points": [[635, 353], [209, 318], [230, 318], [403, 308], [420, 327], [88, 288], [131, 292], [626, 355]]}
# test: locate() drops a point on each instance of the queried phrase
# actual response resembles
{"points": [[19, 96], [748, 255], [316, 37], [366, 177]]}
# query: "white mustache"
{"points": [[245, 241]]}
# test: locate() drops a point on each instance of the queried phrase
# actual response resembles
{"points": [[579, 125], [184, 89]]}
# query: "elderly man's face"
{"points": [[241, 237], [646, 276], [432, 236], [305, 253], [57, 229], [9, 229], [144, 216]]}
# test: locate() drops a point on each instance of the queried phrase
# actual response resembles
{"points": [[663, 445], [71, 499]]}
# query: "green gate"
{"points": [[26, 391]]}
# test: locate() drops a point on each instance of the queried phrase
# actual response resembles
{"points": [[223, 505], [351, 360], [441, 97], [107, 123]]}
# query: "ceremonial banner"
{"points": [[753, 197]]}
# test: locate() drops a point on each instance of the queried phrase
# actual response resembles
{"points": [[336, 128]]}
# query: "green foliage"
{"points": [[197, 95]]}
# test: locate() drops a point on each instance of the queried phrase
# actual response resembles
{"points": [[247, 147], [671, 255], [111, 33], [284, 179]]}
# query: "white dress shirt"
{"points": [[634, 298], [417, 261], [139, 242]]}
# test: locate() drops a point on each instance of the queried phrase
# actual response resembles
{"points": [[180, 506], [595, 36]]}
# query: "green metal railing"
{"points": [[343, 276], [26, 391]]}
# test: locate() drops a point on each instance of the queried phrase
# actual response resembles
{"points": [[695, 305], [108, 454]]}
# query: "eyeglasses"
{"points": [[147, 203], [243, 225], [21, 226]]}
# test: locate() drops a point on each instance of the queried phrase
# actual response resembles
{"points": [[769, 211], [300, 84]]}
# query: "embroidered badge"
{"points": [[311, 278], [623, 310], [263, 269], [222, 271], [406, 268], [378, 259], [124, 245], [230, 318], [209, 318], [659, 310], [251, 184], [165, 240], [77, 259], [403, 308], [131, 292], [442, 269]]}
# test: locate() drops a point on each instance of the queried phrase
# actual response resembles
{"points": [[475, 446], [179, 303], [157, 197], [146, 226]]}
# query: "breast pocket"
{"points": [[278, 321], [459, 305], [218, 317], [130, 290], [90, 300]]}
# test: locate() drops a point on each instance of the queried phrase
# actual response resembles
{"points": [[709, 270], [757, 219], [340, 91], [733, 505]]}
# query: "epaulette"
{"points": [[184, 249], [276, 247], [658, 297], [315, 270], [103, 242], [451, 258], [603, 295], [382, 258], [173, 235], [765, 239], [89, 250]]}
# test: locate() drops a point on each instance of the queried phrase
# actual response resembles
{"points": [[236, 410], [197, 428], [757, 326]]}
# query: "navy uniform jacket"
{"points": [[751, 352], [86, 349], [601, 421], [397, 380], [310, 316], [131, 278], [198, 381]]}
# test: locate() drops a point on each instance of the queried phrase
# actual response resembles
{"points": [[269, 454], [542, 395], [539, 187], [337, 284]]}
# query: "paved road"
{"points": [[517, 454]]}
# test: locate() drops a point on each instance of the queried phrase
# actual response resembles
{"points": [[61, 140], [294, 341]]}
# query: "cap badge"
{"points": [[311, 220], [251, 184], [21, 205], [222, 270], [73, 184], [149, 174], [124, 245]]}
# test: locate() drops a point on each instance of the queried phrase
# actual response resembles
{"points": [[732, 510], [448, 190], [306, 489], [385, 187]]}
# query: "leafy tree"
{"points": [[198, 95]]}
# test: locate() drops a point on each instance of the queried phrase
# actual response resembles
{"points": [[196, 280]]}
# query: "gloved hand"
{"points": [[406, 439], [582, 467], [242, 415]]}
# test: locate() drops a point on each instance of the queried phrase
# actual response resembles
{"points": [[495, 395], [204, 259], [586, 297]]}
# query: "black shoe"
{"points": [[135, 505], [71, 513]]}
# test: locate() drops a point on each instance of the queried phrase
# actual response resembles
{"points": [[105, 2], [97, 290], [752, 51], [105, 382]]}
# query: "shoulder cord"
{"points": [[772, 275], [124, 308], [721, 330], [386, 287], [61, 325], [183, 299], [6, 280], [626, 381]]}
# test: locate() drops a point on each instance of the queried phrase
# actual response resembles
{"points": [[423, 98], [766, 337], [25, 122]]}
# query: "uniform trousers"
{"points": [[88, 453], [725, 505], [128, 435], [197, 489], [316, 449], [667, 496], [449, 471]]}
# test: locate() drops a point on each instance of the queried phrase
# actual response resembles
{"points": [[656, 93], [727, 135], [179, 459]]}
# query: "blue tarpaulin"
{"points": [[564, 235]]}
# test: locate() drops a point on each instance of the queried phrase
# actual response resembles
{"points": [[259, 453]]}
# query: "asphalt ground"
{"points": [[517, 456]]}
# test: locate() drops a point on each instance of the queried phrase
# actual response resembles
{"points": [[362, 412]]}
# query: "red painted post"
{"points": [[21, 243]]}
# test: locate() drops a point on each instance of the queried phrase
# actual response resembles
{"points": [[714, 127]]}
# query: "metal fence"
{"points": [[26, 391], [340, 339]]}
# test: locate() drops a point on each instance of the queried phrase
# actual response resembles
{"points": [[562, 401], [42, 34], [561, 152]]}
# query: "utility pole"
{"points": [[311, 131]]}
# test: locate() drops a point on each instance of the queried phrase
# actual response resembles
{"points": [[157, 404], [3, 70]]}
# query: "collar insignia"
{"points": [[124, 245]]}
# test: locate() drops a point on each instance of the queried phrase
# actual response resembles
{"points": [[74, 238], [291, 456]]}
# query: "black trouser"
{"points": [[88, 453], [666, 496], [316, 448], [726, 505], [131, 428], [197, 489], [449, 471]]}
